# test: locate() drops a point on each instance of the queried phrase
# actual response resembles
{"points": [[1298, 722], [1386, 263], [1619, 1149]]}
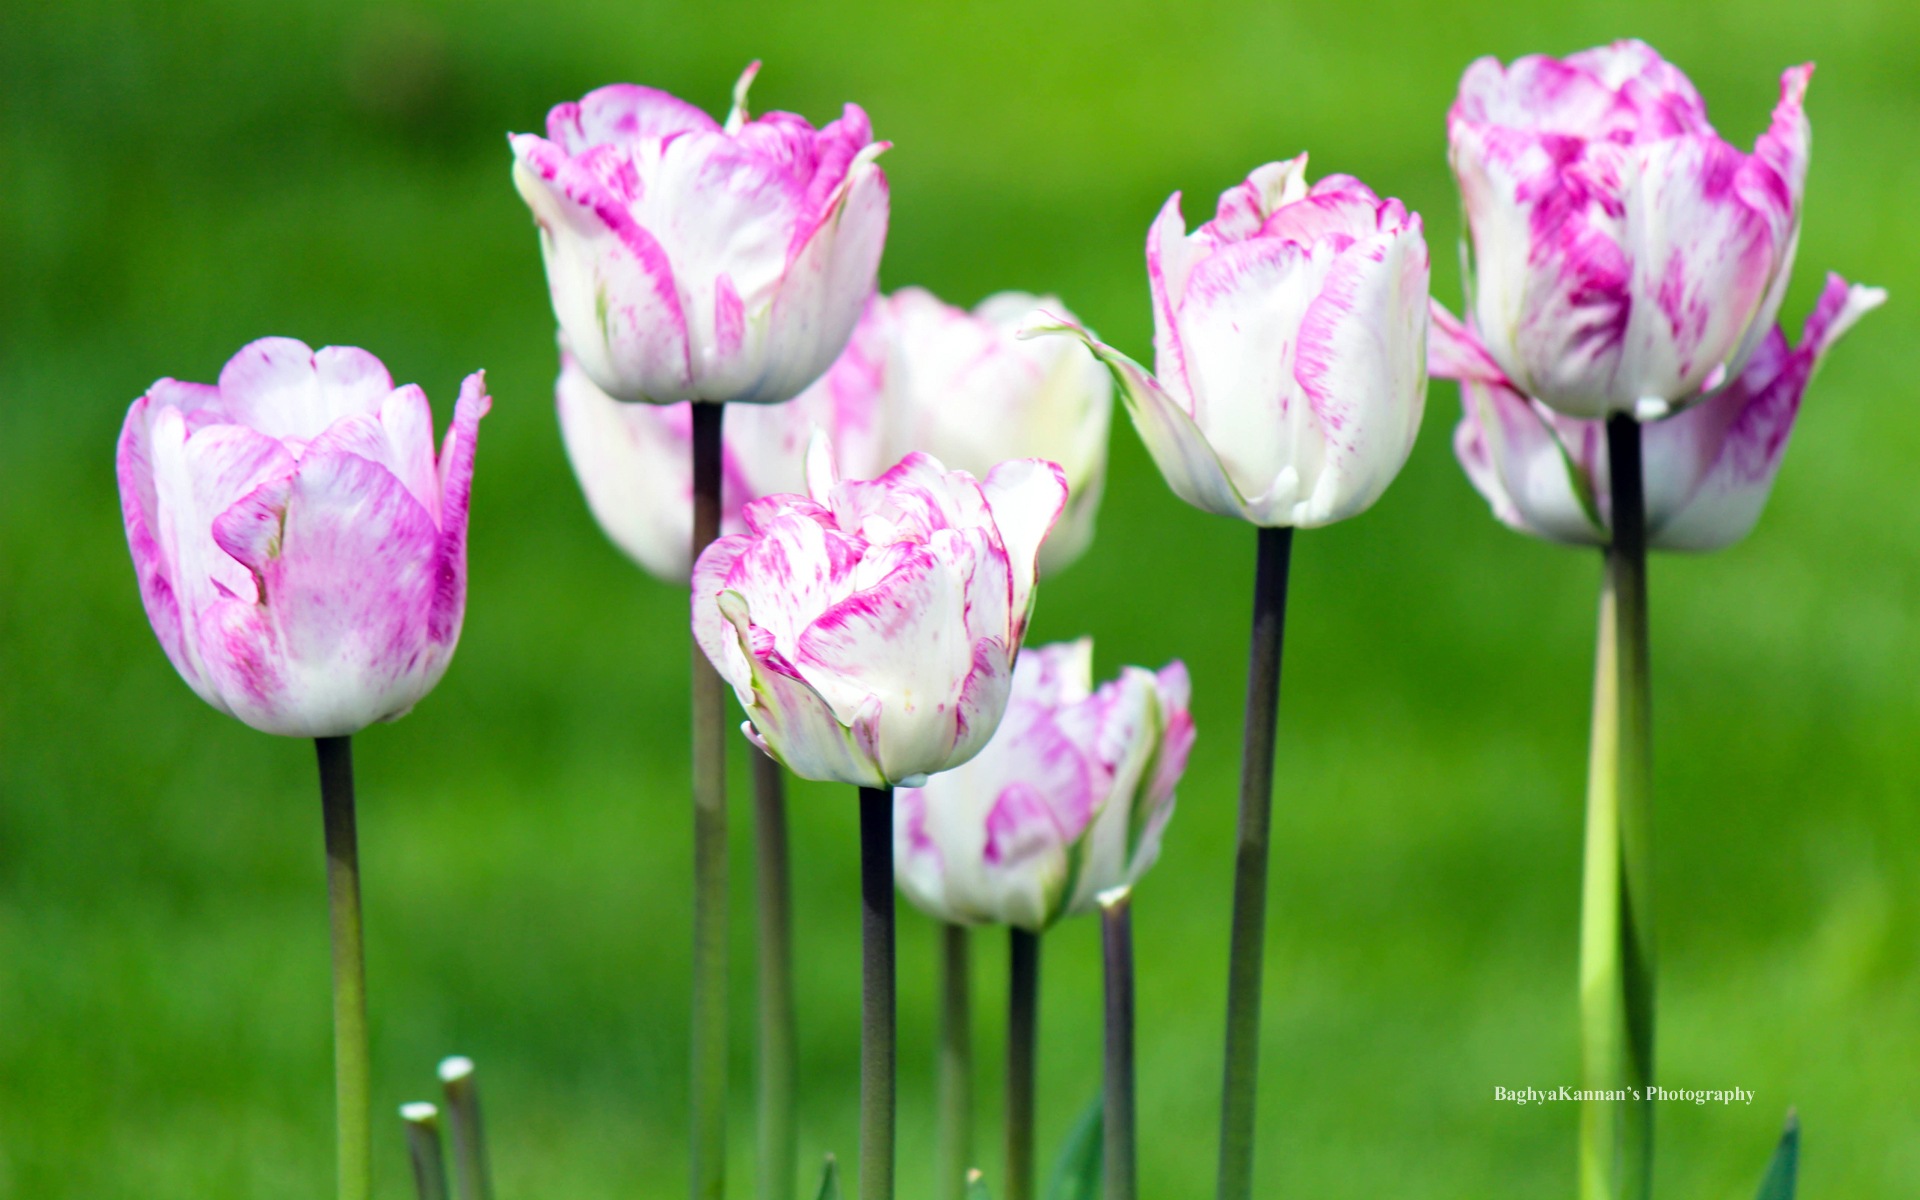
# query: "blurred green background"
{"points": [[182, 178]]}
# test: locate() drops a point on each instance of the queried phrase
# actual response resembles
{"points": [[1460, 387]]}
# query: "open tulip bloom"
{"points": [[1290, 353], [869, 629], [303, 559], [1068, 801], [1627, 266], [691, 260]]}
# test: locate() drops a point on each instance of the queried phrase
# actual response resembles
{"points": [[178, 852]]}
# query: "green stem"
{"points": [[423, 1148], [1616, 916], [353, 1112], [1116, 940], [472, 1170], [1023, 1044], [1250, 865], [773, 881], [709, 1173], [953, 1152], [877, 1000]]}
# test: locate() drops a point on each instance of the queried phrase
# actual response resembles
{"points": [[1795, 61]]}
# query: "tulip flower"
{"points": [[1290, 362], [1289, 337], [1707, 469], [691, 260], [1066, 803], [869, 631], [1068, 800], [301, 554], [1624, 257], [303, 559], [963, 387], [634, 460]]}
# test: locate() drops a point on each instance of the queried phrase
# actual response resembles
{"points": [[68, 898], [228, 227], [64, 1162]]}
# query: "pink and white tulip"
{"points": [[301, 554], [635, 461], [1708, 469], [1290, 348], [1625, 258], [869, 629], [691, 260], [1068, 800]]}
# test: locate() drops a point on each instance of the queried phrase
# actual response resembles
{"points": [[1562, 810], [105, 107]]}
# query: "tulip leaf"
{"points": [[1784, 1169], [1076, 1172], [830, 1180]]}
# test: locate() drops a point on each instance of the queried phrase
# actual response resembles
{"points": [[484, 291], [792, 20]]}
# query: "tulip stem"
{"points": [[709, 1173], [877, 1002], [954, 1135], [472, 1170], [1116, 942], [422, 1122], [778, 1153], [352, 1072], [1023, 1042], [1250, 865], [1616, 917]]}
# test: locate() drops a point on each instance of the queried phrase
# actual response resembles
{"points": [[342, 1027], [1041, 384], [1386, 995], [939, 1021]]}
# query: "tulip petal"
{"points": [[1178, 448], [1026, 497], [456, 490], [283, 389], [795, 724], [622, 114]]}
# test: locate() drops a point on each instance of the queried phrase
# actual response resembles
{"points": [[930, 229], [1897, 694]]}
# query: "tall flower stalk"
{"points": [[877, 994], [1616, 917], [1246, 961], [779, 1067], [1023, 1052], [352, 1071], [953, 1131], [1121, 1166], [709, 1041]]}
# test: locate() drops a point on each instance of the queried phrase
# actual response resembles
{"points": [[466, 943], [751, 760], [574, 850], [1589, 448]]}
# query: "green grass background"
{"points": [[177, 179]]}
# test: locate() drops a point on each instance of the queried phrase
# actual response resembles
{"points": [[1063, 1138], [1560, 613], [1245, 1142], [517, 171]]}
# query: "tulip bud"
{"points": [[1624, 257], [869, 631], [1289, 335], [302, 556], [694, 261], [1068, 800], [1707, 470]]}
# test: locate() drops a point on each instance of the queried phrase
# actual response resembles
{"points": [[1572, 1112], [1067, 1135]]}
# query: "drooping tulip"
{"points": [[1707, 470], [1290, 348], [1624, 257], [1069, 799], [691, 260], [301, 554], [634, 461], [870, 629]]}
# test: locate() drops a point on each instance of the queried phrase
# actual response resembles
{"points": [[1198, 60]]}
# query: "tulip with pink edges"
{"points": [[1290, 376], [1707, 470], [869, 629], [717, 263], [303, 559], [1068, 801], [1625, 386]]}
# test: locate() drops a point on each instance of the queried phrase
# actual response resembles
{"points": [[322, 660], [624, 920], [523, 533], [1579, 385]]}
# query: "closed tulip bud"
{"points": [[1068, 800], [635, 461], [301, 554], [1707, 470], [691, 260], [1289, 339], [1624, 257], [870, 629]]}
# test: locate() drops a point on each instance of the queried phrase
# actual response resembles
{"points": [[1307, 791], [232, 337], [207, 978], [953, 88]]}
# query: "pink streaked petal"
{"points": [[799, 729], [621, 114], [1056, 674], [614, 290], [983, 700], [1026, 497], [1170, 260], [1454, 351], [710, 573], [139, 509], [1245, 207], [285, 390], [1361, 366], [195, 479], [1350, 212], [789, 575], [456, 491]]}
